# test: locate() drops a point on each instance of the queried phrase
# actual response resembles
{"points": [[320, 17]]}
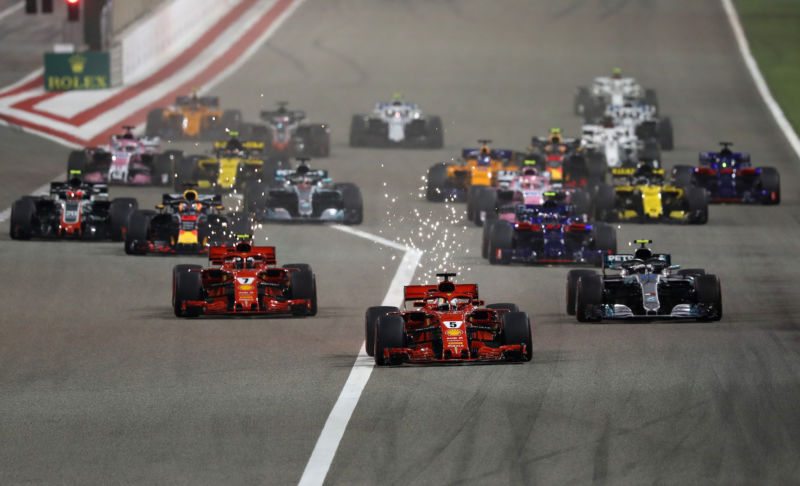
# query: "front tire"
{"points": [[390, 333], [517, 330], [371, 324]]}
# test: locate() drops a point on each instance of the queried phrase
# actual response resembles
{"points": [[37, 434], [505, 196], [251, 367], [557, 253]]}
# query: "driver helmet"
{"points": [[250, 262], [643, 254], [555, 136], [302, 169], [530, 171], [616, 73], [442, 304], [238, 262]]}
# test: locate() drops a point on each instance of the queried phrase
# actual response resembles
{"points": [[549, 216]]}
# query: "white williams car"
{"points": [[609, 91], [396, 124]]}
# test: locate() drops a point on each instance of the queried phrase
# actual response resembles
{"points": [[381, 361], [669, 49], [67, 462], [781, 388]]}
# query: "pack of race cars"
{"points": [[555, 202]]}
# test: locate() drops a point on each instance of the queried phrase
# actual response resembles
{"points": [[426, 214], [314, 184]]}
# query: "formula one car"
{"points": [[448, 323], [289, 134], [642, 197], [73, 209], [243, 280], [644, 121], [611, 91], [234, 166], [306, 195], [618, 145], [127, 159], [548, 233], [396, 124], [476, 167], [192, 117], [644, 288], [564, 161], [187, 223], [729, 177]]}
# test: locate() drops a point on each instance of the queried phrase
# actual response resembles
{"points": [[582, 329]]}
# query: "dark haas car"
{"points": [[729, 177], [564, 160], [73, 209], [550, 233], [186, 223], [640, 195], [448, 323], [645, 287], [306, 195], [289, 134], [243, 280]]}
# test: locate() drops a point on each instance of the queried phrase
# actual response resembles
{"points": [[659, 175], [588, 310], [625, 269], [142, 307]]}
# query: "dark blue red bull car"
{"points": [[729, 177]]}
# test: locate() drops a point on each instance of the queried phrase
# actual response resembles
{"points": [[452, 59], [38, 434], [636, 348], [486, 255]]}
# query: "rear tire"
{"points": [[572, 287], [771, 184], [501, 238], [605, 241], [709, 292], [138, 232], [665, 136], [698, 205], [605, 203], [119, 211], [517, 330], [358, 128], [486, 205], [352, 203], [683, 176], [371, 323], [437, 178], [435, 132]]}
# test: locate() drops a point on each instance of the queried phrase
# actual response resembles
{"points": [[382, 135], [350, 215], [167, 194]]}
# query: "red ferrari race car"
{"points": [[448, 323], [243, 280]]}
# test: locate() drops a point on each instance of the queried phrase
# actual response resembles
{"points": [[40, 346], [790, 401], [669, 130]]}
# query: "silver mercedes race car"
{"points": [[396, 124]]}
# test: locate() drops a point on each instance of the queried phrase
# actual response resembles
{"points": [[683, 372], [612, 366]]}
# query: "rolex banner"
{"points": [[81, 70]]}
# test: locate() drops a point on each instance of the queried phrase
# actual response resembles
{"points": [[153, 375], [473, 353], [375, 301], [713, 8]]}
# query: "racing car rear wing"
{"points": [[247, 145], [202, 198], [612, 262], [217, 254], [211, 101], [91, 188], [417, 292], [629, 171], [502, 154]]}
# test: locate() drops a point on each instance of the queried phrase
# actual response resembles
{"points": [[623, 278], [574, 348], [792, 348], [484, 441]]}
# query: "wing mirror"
{"points": [[674, 267]]}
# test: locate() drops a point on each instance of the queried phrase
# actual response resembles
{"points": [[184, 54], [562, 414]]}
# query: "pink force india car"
{"points": [[527, 186], [127, 159]]}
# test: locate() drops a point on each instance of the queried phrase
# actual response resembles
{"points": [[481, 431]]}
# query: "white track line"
{"points": [[758, 78], [10, 10], [328, 442]]}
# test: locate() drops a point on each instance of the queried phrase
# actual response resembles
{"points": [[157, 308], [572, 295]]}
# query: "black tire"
{"points": [[509, 306], [22, 213], [485, 205], [352, 202], [320, 140], [118, 213], [437, 179], [138, 231], [605, 241], [596, 171], [665, 136], [358, 128], [517, 330], [683, 176], [435, 130], [186, 285], [389, 333], [155, 122], [698, 205], [588, 294], [770, 181], [581, 202], [371, 323], [605, 202], [472, 198], [501, 238], [165, 166], [76, 164], [572, 287], [304, 286], [185, 172], [582, 100], [650, 98], [487, 234], [709, 291], [692, 272]]}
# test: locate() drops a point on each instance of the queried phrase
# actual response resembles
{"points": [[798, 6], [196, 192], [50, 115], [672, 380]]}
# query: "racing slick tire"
{"points": [[352, 202], [184, 172], [596, 168], [437, 178], [582, 100], [164, 167], [501, 238], [22, 213], [709, 291], [698, 205], [770, 181], [487, 234], [692, 272], [76, 164], [486, 204], [304, 286], [155, 122], [665, 135], [683, 176], [119, 211], [319, 140], [389, 333], [581, 202], [572, 286], [186, 285], [435, 130], [358, 130], [510, 307], [517, 330], [605, 241], [605, 203], [588, 294], [137, 231], [371, 323]]}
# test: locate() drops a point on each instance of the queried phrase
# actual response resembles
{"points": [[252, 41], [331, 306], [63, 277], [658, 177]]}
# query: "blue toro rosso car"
{"points": [[729, 177], [550, 233]]}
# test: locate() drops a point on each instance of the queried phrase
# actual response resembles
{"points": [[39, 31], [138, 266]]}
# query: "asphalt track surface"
{"points": [[100, 384]]}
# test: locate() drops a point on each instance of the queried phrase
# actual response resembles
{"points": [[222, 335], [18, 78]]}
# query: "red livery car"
{"points": [[243, 280], [447, 324]]}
